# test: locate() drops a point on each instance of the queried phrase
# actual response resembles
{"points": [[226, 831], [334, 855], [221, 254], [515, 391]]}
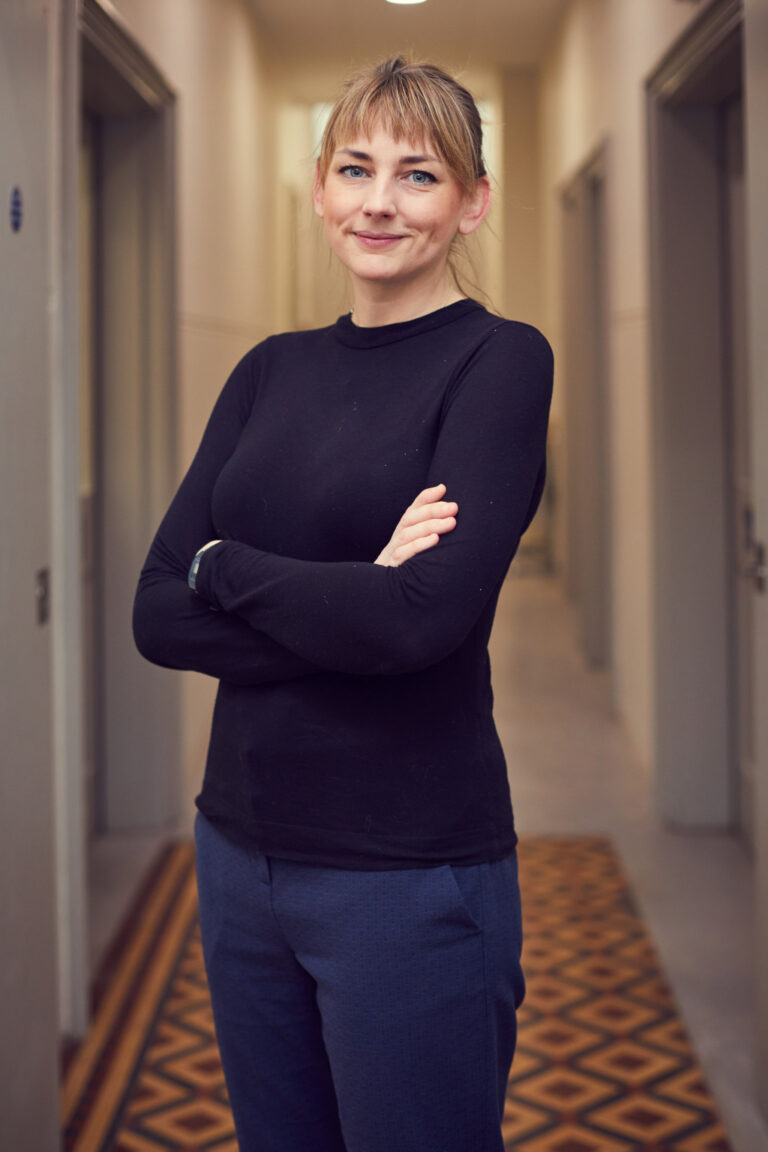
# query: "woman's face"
{"points": [[391, 209]]}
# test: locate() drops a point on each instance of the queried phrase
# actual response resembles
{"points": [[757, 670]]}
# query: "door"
{"points": [[587, 408], [741, 501], [88, 495], [700, 471]]}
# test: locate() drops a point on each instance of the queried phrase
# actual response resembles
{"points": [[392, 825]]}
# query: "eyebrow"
{"points": [[403, 159]]}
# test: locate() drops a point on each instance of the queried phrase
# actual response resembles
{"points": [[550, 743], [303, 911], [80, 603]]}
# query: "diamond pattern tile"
{"points": [[543, 955], [687, 1087], [560, 1039], [646, 1118], [616, 1015], [552, 992], [712, 1139], [564, 1090], [600, 972], [520, 1120], [527, 1062], [132, 1142], [200, 1018], [202, 1071], [575, 1138], [152, 1092], [192, 1125], [170, 1040], [668, 1034], [603, 1062], [629, 1063], [619, 1027]]}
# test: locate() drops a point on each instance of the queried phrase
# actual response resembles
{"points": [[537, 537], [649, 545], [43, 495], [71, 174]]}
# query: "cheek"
{"points": [[335, 238], [440, 221], [441, 229], [337, 211]]}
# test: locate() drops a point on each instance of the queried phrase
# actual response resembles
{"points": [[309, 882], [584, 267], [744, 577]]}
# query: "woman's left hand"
{"points": [[420, 527]]}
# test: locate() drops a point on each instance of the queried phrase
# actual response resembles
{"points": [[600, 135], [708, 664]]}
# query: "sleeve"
{"points": [[364, 618], [173, 626]]}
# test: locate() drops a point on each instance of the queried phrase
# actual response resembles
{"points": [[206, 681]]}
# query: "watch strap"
{"points": [[194, 566]]}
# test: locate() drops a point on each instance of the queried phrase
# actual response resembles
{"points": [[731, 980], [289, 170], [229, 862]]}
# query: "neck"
{"points": [[372, 311]]}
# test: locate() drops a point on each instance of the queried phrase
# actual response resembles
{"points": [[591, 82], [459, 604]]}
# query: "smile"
{"points": [[377, 240]]}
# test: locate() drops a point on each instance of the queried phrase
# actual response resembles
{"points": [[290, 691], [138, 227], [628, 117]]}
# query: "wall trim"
{"points": [[104, 29], [696, 48]]}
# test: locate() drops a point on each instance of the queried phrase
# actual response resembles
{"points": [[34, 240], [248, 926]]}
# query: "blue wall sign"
{"points": [[17, 209]]}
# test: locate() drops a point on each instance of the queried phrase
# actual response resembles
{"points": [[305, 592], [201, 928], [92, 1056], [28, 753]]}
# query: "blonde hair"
{"points": [[413, 102]]}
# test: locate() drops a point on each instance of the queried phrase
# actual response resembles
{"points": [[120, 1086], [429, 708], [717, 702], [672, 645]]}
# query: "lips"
{"points": [[377, 240]]}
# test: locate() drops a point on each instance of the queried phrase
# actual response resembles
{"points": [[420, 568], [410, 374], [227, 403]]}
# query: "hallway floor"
{"points": [[572, 770]]}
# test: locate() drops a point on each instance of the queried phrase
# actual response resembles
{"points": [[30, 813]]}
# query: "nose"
{"points": [[379, 200]]}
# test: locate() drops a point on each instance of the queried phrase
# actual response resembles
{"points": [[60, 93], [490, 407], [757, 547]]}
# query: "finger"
{"points": [[429, 495], [430, 512], [424, 542], [405, 551], [428, 528]]}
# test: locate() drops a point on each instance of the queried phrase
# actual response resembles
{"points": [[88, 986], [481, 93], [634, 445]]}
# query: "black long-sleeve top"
{"points": [[353, 724]]}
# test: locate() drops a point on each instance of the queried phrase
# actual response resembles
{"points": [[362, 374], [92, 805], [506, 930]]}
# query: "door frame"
{"points": [[101, 62], [756, 104], [693, 738], [589, 567]]}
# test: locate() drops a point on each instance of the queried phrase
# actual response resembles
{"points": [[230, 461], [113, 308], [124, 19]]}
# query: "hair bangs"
{"points": [[413, 102]]}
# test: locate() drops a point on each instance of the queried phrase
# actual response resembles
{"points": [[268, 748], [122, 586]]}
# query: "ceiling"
{"points": [[506, 32]]}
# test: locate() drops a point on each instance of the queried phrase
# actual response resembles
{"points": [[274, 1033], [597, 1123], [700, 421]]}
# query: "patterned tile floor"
{"points": [[603, 1061]]}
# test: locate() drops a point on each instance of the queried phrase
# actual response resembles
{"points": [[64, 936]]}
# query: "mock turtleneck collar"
{"points": [[373, 337]]}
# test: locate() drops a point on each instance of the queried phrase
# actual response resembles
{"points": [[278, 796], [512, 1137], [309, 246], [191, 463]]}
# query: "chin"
{"points": [[372, 272]]}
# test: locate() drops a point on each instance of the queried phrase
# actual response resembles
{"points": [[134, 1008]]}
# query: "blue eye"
{"points": [[420, 177], [353, 170]]}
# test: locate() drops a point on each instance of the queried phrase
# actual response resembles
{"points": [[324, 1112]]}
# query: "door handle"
{"points": [[757, 570]]}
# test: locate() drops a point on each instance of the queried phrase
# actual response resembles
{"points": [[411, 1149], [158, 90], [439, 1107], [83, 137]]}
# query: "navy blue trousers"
{"points": [[361, 1011]]}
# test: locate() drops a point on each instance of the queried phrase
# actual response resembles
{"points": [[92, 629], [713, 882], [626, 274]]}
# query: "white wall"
{"points": [[592, 90], [521, 199], [211, 53]]}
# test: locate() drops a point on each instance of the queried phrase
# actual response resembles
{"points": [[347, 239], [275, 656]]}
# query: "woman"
{"points": [[356, 849]]}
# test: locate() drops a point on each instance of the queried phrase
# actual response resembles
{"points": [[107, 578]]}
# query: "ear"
{"points": [[318, 193], [476, 207]]}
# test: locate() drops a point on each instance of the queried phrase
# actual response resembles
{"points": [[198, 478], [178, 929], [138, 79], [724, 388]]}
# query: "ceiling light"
{"points": [[405, 1]]}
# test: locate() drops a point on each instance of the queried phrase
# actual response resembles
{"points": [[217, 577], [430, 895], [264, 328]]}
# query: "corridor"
{"points": [[157, 164]]}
